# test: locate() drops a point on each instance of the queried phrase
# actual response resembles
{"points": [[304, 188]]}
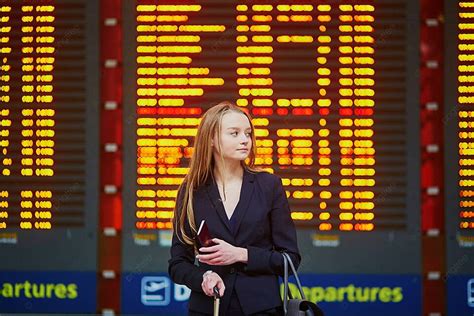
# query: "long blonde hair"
{"points": [[201, 166]]}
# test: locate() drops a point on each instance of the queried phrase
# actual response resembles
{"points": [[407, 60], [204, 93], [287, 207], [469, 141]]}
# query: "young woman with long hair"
{"points": [[246, 212]]}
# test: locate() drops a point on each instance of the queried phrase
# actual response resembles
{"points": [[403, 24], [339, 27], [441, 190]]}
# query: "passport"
{"points": [[203, 235]]}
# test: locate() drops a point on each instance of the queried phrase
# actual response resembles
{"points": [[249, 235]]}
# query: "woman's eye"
{"points": [[234, 133], [248, 134]]}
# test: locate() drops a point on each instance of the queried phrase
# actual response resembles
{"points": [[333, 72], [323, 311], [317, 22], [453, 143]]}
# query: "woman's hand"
{"points": [[222, 254], [209, 281]]}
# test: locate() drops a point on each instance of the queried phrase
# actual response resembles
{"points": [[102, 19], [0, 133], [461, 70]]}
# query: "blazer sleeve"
{"points": [[181, 267], [283, 234]]}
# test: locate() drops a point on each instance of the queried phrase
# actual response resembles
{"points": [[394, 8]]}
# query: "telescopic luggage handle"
{"points": [[217, 299]]}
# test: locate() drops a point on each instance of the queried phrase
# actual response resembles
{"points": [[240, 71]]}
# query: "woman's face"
{"points": [[235, 137]]}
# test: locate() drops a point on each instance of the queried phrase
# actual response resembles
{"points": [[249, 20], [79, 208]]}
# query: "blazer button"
{"points": [[232, 270]]}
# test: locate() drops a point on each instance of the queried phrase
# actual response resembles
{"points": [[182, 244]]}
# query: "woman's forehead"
{"points": [[234, 119]]}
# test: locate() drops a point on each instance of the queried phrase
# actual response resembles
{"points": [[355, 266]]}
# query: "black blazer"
{"points": [[263, 226]]}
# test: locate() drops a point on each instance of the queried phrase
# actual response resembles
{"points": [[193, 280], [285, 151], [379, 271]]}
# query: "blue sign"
{"points": [[153, 294], [48, 292], [156, 291], [337, 295], [460, 295], [366, 294]]}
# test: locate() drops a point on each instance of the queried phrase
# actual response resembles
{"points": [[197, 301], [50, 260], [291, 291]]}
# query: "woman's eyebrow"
{"points": [[238, 128]]}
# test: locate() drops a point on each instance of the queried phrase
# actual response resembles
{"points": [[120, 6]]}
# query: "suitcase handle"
{"points": [[217, 299], [216, 292]]}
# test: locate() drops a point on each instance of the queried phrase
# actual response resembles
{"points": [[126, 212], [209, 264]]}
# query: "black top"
{"points": [[261, 223]]}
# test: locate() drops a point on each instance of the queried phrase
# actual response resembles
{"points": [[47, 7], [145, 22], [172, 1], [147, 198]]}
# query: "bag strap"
{"points": [[287, 259], [295, 304], [285, 284]]}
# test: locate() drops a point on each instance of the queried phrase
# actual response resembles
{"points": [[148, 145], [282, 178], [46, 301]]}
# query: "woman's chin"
{"points": [[241, 158]]}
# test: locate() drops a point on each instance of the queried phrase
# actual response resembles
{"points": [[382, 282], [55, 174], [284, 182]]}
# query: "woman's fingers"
{"points": [[221, 287], [216, 261], [217, 241], [210, 289], [209, 249], [208, 256], [216, 258], [210, 281], [214, 248], [207, 286]]}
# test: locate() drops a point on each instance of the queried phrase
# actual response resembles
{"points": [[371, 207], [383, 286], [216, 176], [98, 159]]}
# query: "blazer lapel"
{"points": [[215, 198], [245, 198]]}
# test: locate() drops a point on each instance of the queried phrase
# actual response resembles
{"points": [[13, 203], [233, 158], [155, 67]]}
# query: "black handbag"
{"points": [[293, 306]]}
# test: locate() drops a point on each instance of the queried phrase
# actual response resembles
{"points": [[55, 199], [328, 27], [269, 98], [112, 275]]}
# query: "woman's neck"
{"points": [[228, 173]]}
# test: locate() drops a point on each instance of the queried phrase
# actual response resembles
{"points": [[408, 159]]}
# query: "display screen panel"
{"points": [[333, 92], [49, 135]]}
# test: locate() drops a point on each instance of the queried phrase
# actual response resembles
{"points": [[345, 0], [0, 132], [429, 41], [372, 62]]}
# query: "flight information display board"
{"points": [[458, 120], [333, 91], [48, 154]]}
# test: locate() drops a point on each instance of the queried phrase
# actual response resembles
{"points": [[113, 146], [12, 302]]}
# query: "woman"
{"points": [[246, 212]]}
